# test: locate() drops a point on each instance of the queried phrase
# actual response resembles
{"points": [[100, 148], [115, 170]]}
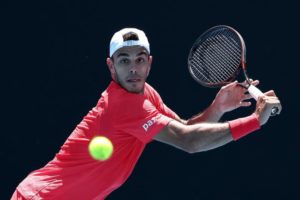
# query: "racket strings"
{"points": [[211, 70], [228, 49], [217, 57], [225, 57]]}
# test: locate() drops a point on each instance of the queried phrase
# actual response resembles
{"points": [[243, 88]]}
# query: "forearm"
{"points": [[211, 114], [204, 137], [195, 138], [207, 136]]}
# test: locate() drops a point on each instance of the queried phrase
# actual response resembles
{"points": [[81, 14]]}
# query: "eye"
{"points": [[141, 60], [124, 61]]}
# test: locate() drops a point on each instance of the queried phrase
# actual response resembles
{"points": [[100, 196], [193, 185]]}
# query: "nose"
{"points": [[133, 69]]}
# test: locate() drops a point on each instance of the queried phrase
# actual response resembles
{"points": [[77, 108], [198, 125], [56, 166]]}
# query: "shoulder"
{"points": [[152, 94], [150, 89]]}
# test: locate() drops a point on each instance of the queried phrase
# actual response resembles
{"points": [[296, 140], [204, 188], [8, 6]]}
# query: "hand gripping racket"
{"points": [[217, 57]]}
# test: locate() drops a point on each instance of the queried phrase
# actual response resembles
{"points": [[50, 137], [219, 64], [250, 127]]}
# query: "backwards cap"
{"points": [[119, 40]]}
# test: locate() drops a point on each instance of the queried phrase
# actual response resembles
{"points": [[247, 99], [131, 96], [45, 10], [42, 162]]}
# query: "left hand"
{"points": [[233, 96], [264, 106]]}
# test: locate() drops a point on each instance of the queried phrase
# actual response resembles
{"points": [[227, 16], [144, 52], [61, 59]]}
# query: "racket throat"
{"points": [[248, 81]]}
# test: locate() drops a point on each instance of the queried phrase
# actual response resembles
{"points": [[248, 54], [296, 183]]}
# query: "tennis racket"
{"points": [[217, 57]]}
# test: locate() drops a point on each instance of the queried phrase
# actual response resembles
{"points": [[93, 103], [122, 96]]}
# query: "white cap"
{"points": [[117, 41]]}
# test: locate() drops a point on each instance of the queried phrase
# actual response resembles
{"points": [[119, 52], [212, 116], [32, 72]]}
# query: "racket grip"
{"points": [[254, 92]]}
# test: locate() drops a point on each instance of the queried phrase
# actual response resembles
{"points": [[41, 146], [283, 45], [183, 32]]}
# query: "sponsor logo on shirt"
{"points": [[149, 123]]}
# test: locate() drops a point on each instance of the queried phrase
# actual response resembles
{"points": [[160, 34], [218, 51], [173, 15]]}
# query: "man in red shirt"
{"points": [[131, 114]]}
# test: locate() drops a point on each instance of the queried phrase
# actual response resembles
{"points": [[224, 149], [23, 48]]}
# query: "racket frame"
{"points": [[253, 90], [242, 64]]}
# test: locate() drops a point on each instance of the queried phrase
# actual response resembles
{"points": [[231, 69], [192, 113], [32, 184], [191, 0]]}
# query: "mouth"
{"points": [[133, 80]]}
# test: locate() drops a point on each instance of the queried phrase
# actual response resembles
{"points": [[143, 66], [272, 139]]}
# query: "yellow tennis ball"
{"points": [[100, 148]]}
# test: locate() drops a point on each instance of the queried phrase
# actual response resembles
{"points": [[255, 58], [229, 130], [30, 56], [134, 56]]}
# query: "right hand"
{"points": [[264, 106], [233, 96]]}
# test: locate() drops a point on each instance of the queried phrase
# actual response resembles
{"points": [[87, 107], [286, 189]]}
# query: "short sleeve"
{"points": [[155, 98], [137, 116]]}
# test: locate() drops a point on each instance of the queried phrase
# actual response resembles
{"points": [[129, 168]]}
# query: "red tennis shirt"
{"points": [[129, 120]]}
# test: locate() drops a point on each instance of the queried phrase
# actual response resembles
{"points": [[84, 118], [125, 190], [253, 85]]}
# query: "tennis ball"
{"points": [[100, 148]]}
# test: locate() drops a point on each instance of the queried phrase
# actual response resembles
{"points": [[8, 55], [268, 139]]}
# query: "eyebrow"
{"points": [[127, 55], [142, 53], [122, 54]]}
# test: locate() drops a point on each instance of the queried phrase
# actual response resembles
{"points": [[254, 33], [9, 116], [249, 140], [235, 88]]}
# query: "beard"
{"points": [[133, 84]]}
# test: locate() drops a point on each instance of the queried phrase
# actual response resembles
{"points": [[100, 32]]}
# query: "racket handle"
{"points": [[255, 93]]}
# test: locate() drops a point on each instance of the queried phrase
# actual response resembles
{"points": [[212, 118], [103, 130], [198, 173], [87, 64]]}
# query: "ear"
{"points": [[150, 64], [111, 68]]}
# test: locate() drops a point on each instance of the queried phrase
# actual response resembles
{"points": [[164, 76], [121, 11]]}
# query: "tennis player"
{"points": [[131, 114]]}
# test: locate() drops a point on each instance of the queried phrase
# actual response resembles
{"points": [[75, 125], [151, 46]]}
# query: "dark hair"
{"points": [[130, 36]]}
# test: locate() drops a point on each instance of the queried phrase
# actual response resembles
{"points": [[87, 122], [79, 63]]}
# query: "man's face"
{"points": [[130, 67]]}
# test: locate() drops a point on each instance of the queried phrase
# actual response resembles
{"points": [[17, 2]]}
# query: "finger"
{"points": [[271, 99], [245, 103], [255, 82], [270, 93], [245, 84], [247, 97], [260, 100], [232, 84]]}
